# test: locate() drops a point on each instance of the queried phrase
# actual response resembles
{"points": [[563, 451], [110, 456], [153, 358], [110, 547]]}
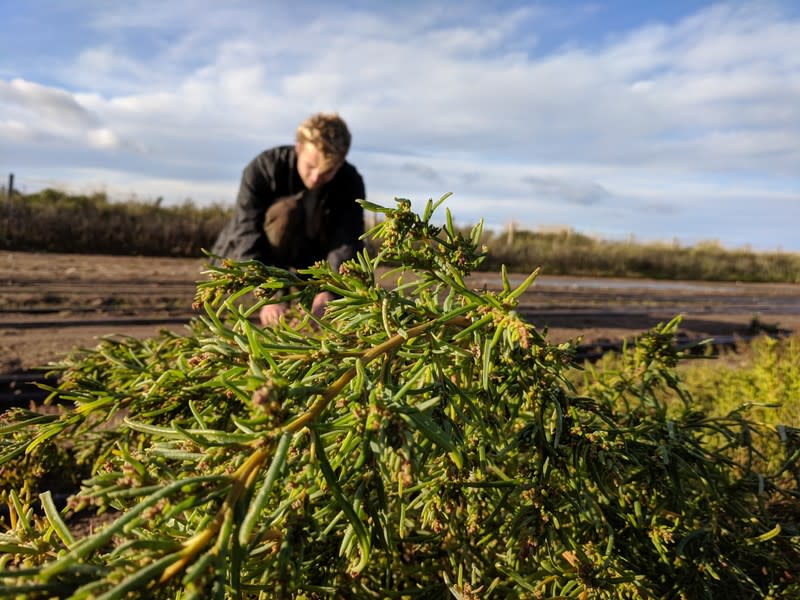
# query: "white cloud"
{"points": [[572, 191], [103, 138], [16, 131], [45, 115], [104, 61], [462, 101], [42, 103]]}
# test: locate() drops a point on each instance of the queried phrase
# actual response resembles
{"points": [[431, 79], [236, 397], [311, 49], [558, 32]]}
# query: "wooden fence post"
{"points": [[512, 226], [7, 220]]}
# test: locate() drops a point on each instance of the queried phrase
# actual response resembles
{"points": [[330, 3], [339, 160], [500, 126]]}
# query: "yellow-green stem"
{"points": [[245, 475], [369, 355], [241, 480]]}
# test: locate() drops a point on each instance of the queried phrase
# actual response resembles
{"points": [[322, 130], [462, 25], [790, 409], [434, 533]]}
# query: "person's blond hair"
{"points": [[328, 133]]}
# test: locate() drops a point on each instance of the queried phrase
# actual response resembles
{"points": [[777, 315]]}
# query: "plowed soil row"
{"points": [[51, 304]]}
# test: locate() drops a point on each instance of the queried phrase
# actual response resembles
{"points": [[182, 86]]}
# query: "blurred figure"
{"points": [[297, 205]]}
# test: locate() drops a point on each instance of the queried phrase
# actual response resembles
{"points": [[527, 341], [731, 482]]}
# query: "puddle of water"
{"points": [[600, 283]]}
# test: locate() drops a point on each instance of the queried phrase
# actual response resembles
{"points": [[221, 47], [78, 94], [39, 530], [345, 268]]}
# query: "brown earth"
{"points": [[51, 304]]}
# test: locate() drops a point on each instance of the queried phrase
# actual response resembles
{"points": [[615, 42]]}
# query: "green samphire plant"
{"points": [[421, 440]]}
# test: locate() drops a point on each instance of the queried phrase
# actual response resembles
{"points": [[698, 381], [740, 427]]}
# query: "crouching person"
{"points": [[297, 205]]}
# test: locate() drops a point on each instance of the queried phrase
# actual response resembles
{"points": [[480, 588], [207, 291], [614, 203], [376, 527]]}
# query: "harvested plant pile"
{"points": [[421, 440]]}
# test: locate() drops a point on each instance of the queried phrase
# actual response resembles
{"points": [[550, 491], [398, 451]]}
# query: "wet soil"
{"points": [[51, 304]]}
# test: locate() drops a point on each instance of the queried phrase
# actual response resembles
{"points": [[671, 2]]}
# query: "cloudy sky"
{"points": [[670, 121]]}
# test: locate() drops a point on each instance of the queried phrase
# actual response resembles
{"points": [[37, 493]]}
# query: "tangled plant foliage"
{"points": [[420, 440]]}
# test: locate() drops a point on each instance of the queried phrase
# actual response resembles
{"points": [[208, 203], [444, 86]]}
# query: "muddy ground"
{"points": [[51, 304]]}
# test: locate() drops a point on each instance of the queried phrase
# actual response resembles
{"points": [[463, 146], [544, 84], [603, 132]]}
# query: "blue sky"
{"points": [[666, 121]]}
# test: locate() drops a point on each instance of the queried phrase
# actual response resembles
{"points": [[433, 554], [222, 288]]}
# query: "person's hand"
{"points": [[272, 313], [320, 302]]}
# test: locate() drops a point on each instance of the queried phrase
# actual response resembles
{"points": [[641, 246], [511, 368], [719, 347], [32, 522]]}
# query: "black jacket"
{"points": [[331, 220]]}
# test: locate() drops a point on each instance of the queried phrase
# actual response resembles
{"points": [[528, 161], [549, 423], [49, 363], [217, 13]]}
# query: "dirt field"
{"points": [[53, 303]]}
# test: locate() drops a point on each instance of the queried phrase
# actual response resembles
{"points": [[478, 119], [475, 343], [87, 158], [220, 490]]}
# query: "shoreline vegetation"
{"points": [[55, 221]]}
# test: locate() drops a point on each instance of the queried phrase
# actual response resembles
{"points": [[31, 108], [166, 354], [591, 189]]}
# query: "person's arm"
{"points": [[248, 238], [348, 226], [345, 232]]}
